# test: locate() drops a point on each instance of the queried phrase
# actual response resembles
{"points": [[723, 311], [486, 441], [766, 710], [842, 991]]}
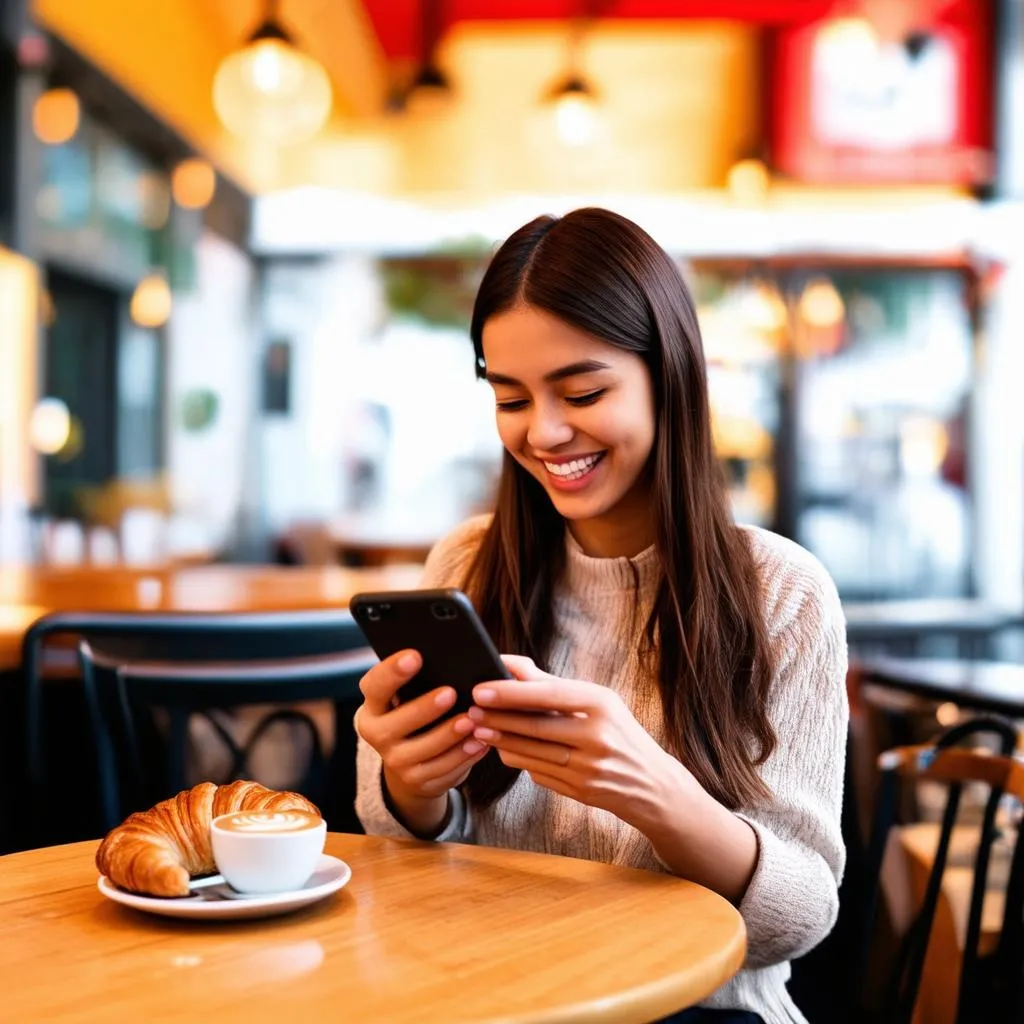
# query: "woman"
{"points": [[697, 668]]}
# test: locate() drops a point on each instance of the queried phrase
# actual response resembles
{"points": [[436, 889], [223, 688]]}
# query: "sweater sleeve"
{"points": [[792, 901], [445, 567]]}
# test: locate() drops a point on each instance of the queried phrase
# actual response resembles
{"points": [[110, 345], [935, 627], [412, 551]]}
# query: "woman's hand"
{"points": [[418, 770], [578, 739]]}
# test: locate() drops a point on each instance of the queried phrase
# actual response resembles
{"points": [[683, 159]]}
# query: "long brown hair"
{"points": [[706, 634]]}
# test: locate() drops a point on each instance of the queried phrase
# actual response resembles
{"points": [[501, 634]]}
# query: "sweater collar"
{"points": [[585, 572]]}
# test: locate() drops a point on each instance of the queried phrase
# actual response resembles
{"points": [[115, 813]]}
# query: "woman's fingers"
{"points": [[383, 681], [552, 755], [439, 774], [553, 728], [406, 751]]}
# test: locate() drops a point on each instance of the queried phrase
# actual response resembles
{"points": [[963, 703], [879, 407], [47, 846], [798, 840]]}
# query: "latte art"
{"points": [[268, 822]]}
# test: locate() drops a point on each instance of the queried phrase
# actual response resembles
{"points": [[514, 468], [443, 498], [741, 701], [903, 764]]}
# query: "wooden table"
{"points": [[28, 593], [979, 685], [423, 932]]}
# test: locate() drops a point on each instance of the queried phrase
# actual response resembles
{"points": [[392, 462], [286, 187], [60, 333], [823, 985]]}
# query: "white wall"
{"points": [[998, 455], [18, 356], [210, 346]]}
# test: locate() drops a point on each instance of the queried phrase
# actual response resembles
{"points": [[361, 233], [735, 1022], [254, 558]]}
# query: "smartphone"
{"points": [[444, 627]]}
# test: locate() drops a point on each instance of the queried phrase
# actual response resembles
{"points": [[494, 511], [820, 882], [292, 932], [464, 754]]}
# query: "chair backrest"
{"points": [[123, 694], [943, 761], [177, 639]]}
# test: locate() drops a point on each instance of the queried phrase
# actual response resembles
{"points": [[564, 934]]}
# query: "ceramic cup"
{"points": [[267, 851]]}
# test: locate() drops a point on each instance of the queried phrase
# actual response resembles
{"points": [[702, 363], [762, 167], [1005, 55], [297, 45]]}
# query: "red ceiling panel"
{"points": [[397, 22]]}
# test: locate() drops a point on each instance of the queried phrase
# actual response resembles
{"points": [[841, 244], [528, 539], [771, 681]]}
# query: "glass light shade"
{"points": [[748, 181], [763, 308], [821, 305], [271, 91], [575, 111], [430, 93], [49, 426], [193, 184], [55, 116], [151, 302]]}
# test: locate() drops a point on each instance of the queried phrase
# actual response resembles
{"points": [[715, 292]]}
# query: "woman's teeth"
{"points": [[575, 469]]}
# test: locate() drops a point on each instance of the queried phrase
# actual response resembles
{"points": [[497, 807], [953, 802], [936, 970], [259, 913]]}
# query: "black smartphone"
{"points": [[444, 627]]}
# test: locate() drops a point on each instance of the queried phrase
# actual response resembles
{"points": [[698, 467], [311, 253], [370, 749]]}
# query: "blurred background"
{"points": [[240, 242]]}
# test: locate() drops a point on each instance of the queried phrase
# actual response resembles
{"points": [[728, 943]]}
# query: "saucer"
{"points": [[331, 874]]}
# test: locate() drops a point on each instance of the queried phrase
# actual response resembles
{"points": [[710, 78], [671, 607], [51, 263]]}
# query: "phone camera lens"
{"points": [[443, 611], [372, 613]]}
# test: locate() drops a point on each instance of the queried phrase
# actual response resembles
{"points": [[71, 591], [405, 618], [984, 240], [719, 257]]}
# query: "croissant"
{"points": [[156, 852]]}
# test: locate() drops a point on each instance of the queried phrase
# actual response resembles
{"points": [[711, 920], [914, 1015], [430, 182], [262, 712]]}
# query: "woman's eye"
{"points": [[512, 405], [588, 399]]}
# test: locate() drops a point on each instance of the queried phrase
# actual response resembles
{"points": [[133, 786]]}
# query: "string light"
{"points": [[56, 116], [193, 183], [151, 302]]}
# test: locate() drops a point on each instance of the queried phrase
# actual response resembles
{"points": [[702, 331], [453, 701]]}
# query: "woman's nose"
{"points": [[548, 428]]}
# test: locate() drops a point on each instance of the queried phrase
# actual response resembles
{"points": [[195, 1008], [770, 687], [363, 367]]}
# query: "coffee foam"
{"points": [[268, 822]]}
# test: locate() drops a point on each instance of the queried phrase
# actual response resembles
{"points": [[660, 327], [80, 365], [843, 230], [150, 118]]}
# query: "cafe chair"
{"points": [[991, 986], [241, 654]]}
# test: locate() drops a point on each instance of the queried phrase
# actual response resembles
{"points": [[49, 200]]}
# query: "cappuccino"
{"points": [[268, 822], [267, 851]]}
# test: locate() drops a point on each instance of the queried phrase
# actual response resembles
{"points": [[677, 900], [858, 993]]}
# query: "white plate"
{"points": [[330, 875]]}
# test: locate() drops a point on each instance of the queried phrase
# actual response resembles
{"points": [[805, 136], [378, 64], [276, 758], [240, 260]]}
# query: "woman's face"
{"points": [[578, 414]]}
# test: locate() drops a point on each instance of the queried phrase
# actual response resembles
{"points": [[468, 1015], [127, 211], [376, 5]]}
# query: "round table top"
{"points": [[424, 931], [27, 593]]}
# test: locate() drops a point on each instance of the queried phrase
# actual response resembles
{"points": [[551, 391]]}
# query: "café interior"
{"points": [[239, 247]]}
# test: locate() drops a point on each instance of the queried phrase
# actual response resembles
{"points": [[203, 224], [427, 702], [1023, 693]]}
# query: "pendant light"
{"points": [[270, 90], [430, 90], [573, 100]]}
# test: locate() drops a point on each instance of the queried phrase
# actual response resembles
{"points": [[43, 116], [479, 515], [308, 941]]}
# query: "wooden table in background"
{"points": [[423, 932], [992, 686], [28, 593]]}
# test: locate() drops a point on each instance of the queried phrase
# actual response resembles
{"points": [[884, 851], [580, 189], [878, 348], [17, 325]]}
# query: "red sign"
{"points": [[851, 105]]}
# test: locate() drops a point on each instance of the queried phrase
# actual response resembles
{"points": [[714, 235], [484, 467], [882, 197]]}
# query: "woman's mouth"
{"points": [[573, 475]]}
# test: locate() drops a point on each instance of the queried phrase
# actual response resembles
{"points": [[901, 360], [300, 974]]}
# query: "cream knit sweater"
{"points": [[791, 903]]}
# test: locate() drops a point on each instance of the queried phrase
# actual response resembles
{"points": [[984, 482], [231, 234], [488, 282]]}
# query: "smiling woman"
{"points": [[667, 662]]}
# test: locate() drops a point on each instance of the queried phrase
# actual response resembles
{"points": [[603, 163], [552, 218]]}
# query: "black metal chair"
{"points": [[208, 660], [991, 987]]}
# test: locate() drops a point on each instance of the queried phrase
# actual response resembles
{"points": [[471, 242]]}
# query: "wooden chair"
{"points": [[991, 986]]}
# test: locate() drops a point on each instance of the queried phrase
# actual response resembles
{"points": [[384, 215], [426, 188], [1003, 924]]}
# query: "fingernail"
{"points": [[472, 747], [476, 714], [484, 696], [408, 663], [486, 734], [463, 725], [445, 698]]}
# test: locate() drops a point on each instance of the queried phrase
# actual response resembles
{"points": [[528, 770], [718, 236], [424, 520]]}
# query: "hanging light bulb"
{"points": [[270, 90], [151, 302], [49, 426], [748, 181], [430, 91], [575, 109], [821, 305], [55, 116], [574, 101]]}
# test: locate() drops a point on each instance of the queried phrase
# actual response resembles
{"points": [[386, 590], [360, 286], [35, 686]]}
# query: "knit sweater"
{"points": [[792, 901]]}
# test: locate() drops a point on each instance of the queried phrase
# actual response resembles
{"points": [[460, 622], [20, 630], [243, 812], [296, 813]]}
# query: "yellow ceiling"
{"points": [[165, 52], [679, 100]]}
